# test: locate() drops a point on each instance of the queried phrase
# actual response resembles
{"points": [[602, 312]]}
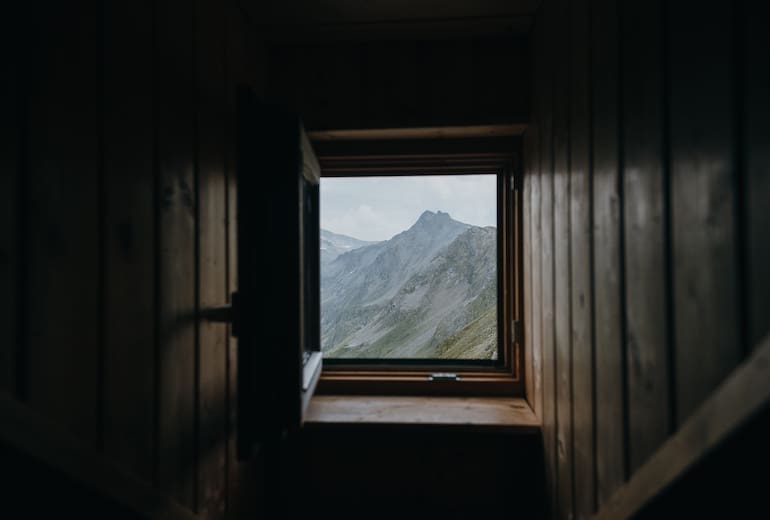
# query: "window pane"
{"points": [[409, 267]]}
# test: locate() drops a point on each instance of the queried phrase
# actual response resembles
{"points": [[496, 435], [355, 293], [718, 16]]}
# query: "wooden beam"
{"points": [[42, 439], [743, 395], [434, 132]]}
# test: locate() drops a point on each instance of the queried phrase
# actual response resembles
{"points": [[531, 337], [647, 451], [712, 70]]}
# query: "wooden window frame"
{"points": [[403, 378]]}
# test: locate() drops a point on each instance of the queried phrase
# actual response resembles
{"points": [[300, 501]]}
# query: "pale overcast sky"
{"points": [[376, 208]]}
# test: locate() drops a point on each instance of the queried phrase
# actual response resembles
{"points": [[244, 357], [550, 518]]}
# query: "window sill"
{"points": [[499, 414]]}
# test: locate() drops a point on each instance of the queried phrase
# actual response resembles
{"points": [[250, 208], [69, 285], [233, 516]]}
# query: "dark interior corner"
{"points": [[638, 136]]}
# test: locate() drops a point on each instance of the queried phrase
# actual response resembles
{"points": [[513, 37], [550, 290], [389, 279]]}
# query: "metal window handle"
{"points": [[223, 314]]}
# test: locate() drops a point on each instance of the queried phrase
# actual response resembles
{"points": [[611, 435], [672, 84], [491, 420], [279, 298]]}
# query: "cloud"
{"points": [[376, 208]]}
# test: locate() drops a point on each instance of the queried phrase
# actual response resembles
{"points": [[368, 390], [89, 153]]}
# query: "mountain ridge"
{"points": [[405, 297]]}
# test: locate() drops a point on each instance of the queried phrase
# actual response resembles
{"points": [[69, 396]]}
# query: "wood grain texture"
{"points": [[62, 219], [562, 260], [498, 413], [581, 263], [641, 27], [212, 253], [756, 113], [37, 436], [10, 101], [526, 226], [548, 323], [436, 132], [742, 396], [536, 330], [129, 239], [607, 253], [703, 199], [177, 229], [413, 83]]}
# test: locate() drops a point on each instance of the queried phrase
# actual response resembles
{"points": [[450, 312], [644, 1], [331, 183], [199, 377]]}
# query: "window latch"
{"points": [[223, 314], [443, 376]]}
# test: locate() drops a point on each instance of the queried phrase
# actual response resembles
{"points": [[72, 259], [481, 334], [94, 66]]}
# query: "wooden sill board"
{"points": [[475, 413]]}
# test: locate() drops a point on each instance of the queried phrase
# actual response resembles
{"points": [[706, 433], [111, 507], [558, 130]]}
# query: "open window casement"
{"points": [[278, 308]]}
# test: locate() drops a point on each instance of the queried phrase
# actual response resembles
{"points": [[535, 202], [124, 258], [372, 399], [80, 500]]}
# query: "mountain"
{"points": [[429, 292], [334, 244]]}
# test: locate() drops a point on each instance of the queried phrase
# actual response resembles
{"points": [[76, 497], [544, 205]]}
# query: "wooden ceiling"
{"points": [[307, 20]]}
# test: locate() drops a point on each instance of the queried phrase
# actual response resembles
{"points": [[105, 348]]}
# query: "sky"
{"points": [[376, 208]]}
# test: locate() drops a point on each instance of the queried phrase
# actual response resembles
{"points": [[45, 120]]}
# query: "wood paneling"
{"points": [[665, 254], [120, 127], [548, 323], [129, 239], [608, 273], [211, 80], [742, 398], [581, 262], [177, 228], [61, 219], [10, 101], [536, 330], [529, 367], [645, 229], [561, 253], [756, 158], [703, 198], [415, 83], [59, 463]]}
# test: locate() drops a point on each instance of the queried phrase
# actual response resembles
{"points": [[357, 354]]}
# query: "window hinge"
{"points": [[443, 376], [515, 331]]}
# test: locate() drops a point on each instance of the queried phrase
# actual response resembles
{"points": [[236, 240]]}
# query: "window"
{"points": [[409, 269], [418, 274], [433, 312]]}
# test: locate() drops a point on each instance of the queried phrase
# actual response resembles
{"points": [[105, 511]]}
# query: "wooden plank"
{"points": [[212, 244], [536, 231], [443, 132], [62, 219], [43, 439], [536, 331], [608, 275], [744, 394], [129, 239], [562, 260], [343, 76], [756, 111], [493, 413], [234, 470], [647, 348], [526, 226], [547, 260], [703, 210], [177, 228], [10, 100], [581, 263], [305, 13]]}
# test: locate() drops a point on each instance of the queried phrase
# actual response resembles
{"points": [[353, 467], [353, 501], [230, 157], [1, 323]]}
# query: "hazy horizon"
{"points": [[377, 208]]}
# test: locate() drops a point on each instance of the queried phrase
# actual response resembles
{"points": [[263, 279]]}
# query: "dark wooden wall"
{"points": [[403, 83], [117, 228], [646, 257]]}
